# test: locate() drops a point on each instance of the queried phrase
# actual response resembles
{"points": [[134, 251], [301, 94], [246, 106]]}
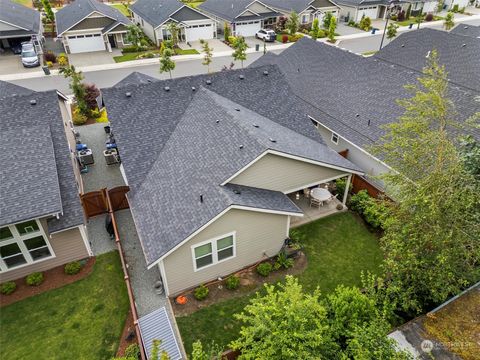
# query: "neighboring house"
{"points": [[307, 10], [88, 25], [18, 23], [219, 155], [466, 30], [244, 17], [154, 16], [449, 4], [41, 219], [357, 95]]}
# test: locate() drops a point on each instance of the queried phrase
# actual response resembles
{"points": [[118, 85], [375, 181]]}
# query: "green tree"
{"points": [[174, 30], [226, 32], [135, 35], [431, 238], [214, 351], [331, 29], [470, 153], [392, 31], [327, 19], [156, 354], [315, 29], [449, 22], [77, 87], [292, 23], [240, 50], [283, 324], [207, 58], [166, 62], [419, 19], [49, 15]]}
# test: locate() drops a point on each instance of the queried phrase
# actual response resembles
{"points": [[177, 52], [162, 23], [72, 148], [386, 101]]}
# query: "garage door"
{"points": [[85, 43], [197, 32], [247, 28], [370, 11]]}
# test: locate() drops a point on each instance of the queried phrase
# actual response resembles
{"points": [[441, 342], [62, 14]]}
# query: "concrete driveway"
{"points": [[216, 44], [93, 58], [344, 29], [252, 41], [12, 64]]}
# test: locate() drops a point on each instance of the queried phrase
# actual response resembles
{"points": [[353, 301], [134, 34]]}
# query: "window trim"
{"points": [[334, 135], [213, 242], [20, 241]]}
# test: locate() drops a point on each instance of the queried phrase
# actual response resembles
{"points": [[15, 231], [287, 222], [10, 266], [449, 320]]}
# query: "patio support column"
{"points": [[347, 186]]}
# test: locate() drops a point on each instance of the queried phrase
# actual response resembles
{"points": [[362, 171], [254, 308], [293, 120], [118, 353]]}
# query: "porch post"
{"points": [[345, 194]]}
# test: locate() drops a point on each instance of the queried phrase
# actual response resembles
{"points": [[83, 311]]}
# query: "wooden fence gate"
{"points": [[95, 202]]}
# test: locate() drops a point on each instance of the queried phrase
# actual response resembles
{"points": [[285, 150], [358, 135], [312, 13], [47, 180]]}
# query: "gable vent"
{"points": [[166, 88], [33, 102]]}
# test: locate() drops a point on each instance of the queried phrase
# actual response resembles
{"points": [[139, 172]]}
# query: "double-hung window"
{"points": [[23, 244], [213, 251]]}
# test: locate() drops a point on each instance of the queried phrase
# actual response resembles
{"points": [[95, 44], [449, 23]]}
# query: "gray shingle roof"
{"points": [[136, 78], [34, 126], [466, 30], [156, 12], [289, 5], [19, 15], [9, 89], [358, 94], [172, 152], [75, 12], [459, 54], [361, 2], [230, 9]]}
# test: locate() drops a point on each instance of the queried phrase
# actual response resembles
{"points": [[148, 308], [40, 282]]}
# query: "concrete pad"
{"points": [[12, 64], [344, 29], [92, 58], [216, 44], [251, 41]]}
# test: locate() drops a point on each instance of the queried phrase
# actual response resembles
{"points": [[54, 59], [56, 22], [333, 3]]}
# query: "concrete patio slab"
{"points": [[100, 240], [216, 44], [93, 58], [344, 29], [312, 213]]}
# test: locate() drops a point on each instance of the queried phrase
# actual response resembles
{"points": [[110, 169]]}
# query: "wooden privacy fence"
{"points": [[360, 183], [95, 202]]}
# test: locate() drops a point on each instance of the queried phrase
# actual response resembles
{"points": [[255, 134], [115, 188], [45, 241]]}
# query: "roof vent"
{"points": [[463, 45], [241, 77], [241, 146], [166, 88], [217, 121], [357, 115], [128, 94], [149, 80], [368, 123], [238, 192], [265, 72], [209, 82], [255, 125], [201, 198], [193, 88], [403, 45], [272, 140], [33, 102], [237, 109]]}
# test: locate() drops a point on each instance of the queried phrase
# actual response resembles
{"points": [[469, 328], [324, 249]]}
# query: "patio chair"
{"points": [[315, 202], [306, 193]]}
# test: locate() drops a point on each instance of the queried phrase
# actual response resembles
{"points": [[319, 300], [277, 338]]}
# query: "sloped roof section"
{"points": [[136, 78], [466, 30], [75, 12], [19, 15], [229, 9], [9, 89], [156, 12]]}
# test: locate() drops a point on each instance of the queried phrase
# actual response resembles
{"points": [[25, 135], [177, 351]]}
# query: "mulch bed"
{"points": [[128, 335], [250, 281], [54, 278]]}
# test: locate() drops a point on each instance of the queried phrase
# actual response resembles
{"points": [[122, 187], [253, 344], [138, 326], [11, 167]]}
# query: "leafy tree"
{"points": [[292, 23], [327, 20], [214, 351], [449, 23], [207, 58], [331, 29], [77, 87], [283, 324], [440, 5], [240, 47], [135, 35], [431, 238], [315, 29], [174, 30], [49, 15], [226, 32], [419, 19], [166, 62], [470, 153], [392, 31], [156, 354], [91, 95]]}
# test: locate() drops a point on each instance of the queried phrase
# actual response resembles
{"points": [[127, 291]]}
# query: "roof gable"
{"points": [[186, 13], [466, 30], [156, 12], [20, 16]]}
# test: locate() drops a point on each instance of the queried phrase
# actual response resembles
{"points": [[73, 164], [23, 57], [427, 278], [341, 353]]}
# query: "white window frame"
{"points": [[19, 240], [213, 243], [334, 139]]}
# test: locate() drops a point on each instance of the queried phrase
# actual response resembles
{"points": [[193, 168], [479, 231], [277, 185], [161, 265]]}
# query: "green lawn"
{"points": [[186, 52], [133, 55], [194, 4], [338, 249], [412, 21], [121, 8], [83, 320], [24, 2]]}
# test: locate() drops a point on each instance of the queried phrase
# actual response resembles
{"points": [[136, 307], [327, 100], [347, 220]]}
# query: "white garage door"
{"points": [[197, 32], [370, 11], [247, 28], [85, 43]]}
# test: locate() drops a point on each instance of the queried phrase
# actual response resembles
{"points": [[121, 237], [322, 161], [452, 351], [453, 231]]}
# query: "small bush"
{"points": [[8, 287], [294, 38], [232, 282], [359, 201], [34, 279], [62, 59], [284, 38], [351, 23], [78, 118], [401, 15], [455, 8], [365, 23], [394, 17], [132, 352], [283, 261], [50, 57], [131, 49], [49, 64], [72, 268], [147, 55], [429, 17], [321, 34], [264, 269], [374, 212], [232, 40], [341, 184], [201, 292]]}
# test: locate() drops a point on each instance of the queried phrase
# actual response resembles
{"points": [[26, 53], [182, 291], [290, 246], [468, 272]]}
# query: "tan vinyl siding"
{"points": [[256, 233], [92, 23], [67, 245], [258, 8], [278, 173]]}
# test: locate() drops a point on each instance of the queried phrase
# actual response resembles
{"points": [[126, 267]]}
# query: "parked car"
{"points": [[16, 48], [29, 55], [266, 35]]}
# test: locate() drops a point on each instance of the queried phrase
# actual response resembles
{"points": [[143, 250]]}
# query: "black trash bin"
{"points": [[46, 70], [257, 47]]}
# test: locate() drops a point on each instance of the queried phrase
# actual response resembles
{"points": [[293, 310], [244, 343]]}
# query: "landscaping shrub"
{"points": [[352, 23], [394, 17], [226, 32], [232, 282], [283, 261], [321, 34], [365, 23], [232, 40], [455, 8], [201, 292], [132, 352], [8, 287], [34, 279], [50, 56], [62, 59], [282, 20], [429, 17], [72, 268], [373, 211], [341, 184], [284, 38], [49, 64], [305, 28], [401, 15], [78, 118], [131, 49], [359, 201], [91, 95], [294, 38], [264, 269]]}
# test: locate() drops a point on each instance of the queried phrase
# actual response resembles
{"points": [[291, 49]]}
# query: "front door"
{"points": [[112, 41], [382, 12]]}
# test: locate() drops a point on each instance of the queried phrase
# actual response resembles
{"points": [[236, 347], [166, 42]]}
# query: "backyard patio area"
{"points": [[338, 249]]}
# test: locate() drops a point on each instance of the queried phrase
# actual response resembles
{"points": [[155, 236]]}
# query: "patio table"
{"points": [[320, 194]]}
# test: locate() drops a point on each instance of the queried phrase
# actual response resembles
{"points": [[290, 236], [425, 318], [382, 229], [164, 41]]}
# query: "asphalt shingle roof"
{"points": [[358, 94], [75, 12], [466, 30], [19, 15], [136, 78], [290, 5], [156, 12], [459, 54], [9, 89], [43, 165], [182, 143], [230, 9]]}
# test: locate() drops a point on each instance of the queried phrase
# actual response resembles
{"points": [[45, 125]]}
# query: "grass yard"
{"points": [[121, 8], [412, 21], [186, 52], [24, 2], [83, 320], [338, 249], [194, 4], [133, 55]]}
